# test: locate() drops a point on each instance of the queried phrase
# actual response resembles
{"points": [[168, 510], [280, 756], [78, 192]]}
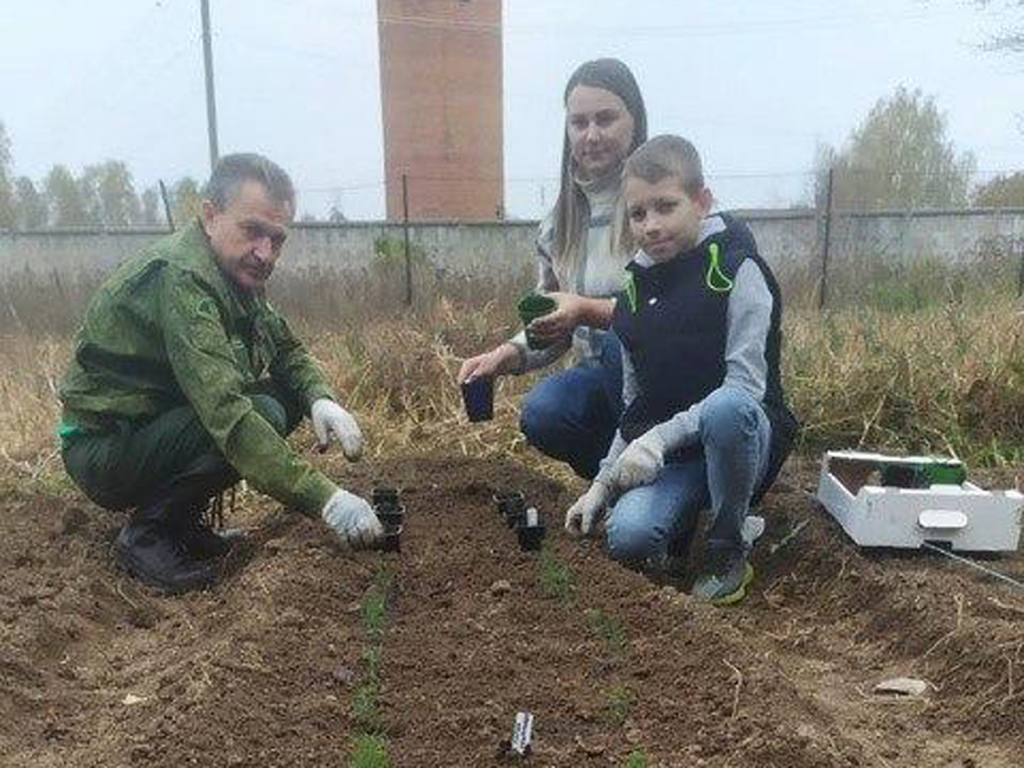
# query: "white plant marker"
{"points": [[522, 732]]}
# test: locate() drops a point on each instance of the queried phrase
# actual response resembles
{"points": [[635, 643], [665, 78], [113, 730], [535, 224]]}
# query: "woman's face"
{"points": [[600, 130]]}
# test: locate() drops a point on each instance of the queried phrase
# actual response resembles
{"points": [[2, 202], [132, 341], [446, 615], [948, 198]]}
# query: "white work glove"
{"points": [[579, 520], [352, 518], [331, 420], [640, 463]]}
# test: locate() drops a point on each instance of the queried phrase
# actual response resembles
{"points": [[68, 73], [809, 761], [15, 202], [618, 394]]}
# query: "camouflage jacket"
{"points": [[167, 329]]}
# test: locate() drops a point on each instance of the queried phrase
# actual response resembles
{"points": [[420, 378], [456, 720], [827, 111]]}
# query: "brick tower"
{"points": [[441, 97]]}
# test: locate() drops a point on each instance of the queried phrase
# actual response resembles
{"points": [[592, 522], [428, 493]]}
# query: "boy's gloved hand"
{"points": [[579, 520], [352, 518], [640, 463], [330, 420]]}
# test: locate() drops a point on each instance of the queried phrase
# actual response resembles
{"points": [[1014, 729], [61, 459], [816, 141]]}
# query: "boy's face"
{"points": [[663, 218]]}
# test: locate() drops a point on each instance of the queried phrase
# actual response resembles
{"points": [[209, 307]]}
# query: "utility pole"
{"points": [[211, 104]]}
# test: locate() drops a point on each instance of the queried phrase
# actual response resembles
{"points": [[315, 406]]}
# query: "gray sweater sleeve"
{"points": [[748, 319]]}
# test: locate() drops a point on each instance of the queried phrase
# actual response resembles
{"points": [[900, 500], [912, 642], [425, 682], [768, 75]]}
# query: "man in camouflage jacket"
{"points": [[183, 379]]}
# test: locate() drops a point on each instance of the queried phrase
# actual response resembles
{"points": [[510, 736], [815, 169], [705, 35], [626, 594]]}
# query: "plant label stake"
{"points": [[522, 733], [530, 530]]}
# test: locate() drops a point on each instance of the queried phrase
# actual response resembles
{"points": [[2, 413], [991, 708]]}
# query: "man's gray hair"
{"points": [[232, 170]]}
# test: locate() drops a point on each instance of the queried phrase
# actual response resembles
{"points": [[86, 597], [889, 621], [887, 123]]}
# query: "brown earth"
{"points": [[263, 670]]}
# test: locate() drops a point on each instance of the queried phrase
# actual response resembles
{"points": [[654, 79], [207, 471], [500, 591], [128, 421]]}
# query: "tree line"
{"points": [[900, 158], [102, 195]]}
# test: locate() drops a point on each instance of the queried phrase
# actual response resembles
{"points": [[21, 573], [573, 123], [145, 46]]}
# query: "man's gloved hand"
{"points": [[352, 518], [331, 420], [640, 463], [579, 520]]}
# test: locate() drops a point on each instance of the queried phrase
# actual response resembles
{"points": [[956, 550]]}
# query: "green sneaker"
{"points": [[726, 581]]}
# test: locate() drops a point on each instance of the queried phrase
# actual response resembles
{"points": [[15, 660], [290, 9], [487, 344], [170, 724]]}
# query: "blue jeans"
{"points": [[735, 435], [572, 415]]}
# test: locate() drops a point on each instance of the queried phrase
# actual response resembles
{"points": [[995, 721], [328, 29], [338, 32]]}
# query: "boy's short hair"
{"points": [[664, 156]]}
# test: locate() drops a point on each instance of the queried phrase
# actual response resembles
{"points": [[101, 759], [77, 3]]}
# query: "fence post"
{"points": [[405, 230], [1020, 273], [167, 205], [826, 244]]}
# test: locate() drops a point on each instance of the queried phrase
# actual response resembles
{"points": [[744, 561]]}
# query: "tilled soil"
{"points": [[265, 670]]}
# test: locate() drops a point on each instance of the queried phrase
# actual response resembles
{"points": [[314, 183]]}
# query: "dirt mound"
{"points": [[267, 668]]}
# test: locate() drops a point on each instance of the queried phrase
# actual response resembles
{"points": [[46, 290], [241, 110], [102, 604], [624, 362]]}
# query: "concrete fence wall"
{"points": [[792, 238]]}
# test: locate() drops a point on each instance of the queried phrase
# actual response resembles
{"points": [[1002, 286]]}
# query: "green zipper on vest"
{"points": [[631, 292], [715, 278]]}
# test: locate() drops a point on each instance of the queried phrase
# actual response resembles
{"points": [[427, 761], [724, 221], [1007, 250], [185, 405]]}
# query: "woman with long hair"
{"points": [[572, 415]]}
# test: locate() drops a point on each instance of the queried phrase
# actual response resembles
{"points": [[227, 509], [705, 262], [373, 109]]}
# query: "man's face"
{"points": [[600, 130], [247, 235], [664, 218]]}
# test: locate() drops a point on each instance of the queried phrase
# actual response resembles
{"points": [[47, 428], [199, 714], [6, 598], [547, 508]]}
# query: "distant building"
{"points": [[441, 97]]}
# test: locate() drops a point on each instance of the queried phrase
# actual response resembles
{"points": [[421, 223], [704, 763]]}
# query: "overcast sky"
{"points": [[754, 84]]}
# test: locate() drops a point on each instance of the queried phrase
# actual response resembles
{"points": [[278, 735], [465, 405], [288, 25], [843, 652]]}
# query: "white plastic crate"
{"points": [[965, 517]]}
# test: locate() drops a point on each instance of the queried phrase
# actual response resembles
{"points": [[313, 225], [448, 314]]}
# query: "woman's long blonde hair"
{"points": [[571, 208]]}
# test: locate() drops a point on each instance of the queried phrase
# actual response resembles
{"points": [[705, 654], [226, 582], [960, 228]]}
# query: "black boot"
{"points": [[199, 539], [150, 548], [189, 495]]}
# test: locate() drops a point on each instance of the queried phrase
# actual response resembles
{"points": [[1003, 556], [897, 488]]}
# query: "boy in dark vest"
{"points": [[705, 421]]}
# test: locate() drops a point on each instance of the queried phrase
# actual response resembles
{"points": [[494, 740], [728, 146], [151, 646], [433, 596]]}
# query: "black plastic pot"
{"points": [[478, 398], [390, 514], [511, 506], [385, 496], [531, 530], [392, 540]]}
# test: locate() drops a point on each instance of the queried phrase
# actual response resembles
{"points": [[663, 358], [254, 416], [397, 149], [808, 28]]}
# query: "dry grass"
{"points": [[945, 377]]}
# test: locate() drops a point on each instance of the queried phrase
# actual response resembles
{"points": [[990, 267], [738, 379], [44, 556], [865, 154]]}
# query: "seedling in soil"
{"points": [[620, 702], [365, 709], [365, 700], [371, 662], [608, 628], [374, 606], [370, 752], [530, 530], [637, 759], [555, 577]]}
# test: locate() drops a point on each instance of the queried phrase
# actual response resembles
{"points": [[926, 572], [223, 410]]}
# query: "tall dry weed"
{"points": [[947, 377]]}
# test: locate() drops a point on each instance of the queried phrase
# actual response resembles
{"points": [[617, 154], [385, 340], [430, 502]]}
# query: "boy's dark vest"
{"points": [[673, 322]]}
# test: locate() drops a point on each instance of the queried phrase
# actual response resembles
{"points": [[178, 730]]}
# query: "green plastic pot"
{"points": [[532, 306]]}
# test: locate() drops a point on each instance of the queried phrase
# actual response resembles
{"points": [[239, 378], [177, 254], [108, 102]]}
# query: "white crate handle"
{"points": [[942, 519]]}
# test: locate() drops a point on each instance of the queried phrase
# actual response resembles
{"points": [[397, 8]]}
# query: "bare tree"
{"points": [[8, 214], [120, 204], [150, 214], [30, 204], [899, 157], [1001, 192], [1010, 40], [187, 201], [64, 198]]}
